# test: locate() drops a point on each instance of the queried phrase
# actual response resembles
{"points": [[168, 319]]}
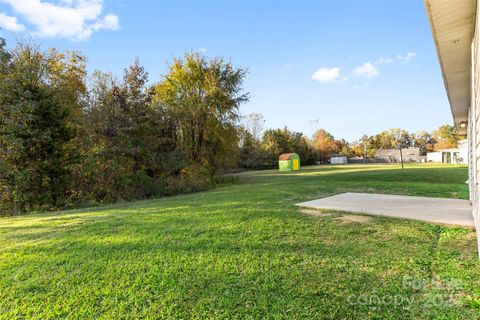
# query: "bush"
{"points": [[225, 179], [190, 179]]}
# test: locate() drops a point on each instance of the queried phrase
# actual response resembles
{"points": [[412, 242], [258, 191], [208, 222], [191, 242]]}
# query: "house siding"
{"points": [[455, 30], [473, 133]]}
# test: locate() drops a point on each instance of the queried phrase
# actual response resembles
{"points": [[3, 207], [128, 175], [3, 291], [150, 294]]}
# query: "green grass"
{"points": [[245, 251]]}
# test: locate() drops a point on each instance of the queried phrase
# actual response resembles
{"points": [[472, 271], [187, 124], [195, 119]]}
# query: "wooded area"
{"points": [[65, 142], [72, 139]]}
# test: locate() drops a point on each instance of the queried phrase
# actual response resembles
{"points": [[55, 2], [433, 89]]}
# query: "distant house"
{"points": [[453, 155], [338, 159], [393, 155]]}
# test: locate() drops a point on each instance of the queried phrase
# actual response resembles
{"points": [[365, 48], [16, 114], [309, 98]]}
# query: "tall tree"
{"points": [[423, 140], [446, 137], [40, 96], [250, 151], [324, 144], [204, 97], [364, 147], [128, 136], [254, 124], [391, 139]]}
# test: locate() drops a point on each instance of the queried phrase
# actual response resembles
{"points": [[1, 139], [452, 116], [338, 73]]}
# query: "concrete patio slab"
{"points": [[454, 212]]}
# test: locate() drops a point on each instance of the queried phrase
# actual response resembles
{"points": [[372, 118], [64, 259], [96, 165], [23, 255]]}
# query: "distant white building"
{"points": [[338, 159], [453, 155]]}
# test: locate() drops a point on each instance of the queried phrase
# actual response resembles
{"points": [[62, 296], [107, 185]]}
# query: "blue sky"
{"points": [[351, 68]]}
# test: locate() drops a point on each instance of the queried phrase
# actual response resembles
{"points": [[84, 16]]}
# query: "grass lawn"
{"points": [[245, 251]]}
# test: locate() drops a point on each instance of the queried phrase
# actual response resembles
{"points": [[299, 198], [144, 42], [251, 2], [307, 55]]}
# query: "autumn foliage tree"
{"points": [[203, 96], [65, 142], [324, 144], [446, 137]]}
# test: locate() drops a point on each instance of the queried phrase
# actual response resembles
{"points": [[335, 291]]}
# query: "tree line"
{"points": [[261, 151], [70, 139]]}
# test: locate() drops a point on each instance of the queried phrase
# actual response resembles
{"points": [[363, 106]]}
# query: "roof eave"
{"points": [[452, 25]]}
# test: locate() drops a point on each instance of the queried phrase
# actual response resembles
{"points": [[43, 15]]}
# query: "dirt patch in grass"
{"points": [[316, 213], [354, 218]]}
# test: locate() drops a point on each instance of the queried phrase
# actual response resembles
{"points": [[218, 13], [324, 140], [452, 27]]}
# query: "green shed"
{"points": [[289, 162]]}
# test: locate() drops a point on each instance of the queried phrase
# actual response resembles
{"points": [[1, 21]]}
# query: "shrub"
{"points": [[190, 179]]}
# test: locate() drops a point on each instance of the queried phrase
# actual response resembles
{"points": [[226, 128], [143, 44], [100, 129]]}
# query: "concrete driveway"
{"points": [[453, 212]]}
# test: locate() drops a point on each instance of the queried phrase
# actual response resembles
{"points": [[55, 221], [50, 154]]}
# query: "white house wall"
{"points": [[454, 26], [474, 129]]}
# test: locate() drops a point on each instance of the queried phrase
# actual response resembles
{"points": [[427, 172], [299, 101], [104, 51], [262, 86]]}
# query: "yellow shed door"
{"points": [[295, 164]]}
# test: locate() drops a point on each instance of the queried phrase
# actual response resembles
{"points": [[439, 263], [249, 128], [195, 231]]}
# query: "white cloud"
{"points": [[326, 74], [10, 23], [383, 60], [407, 57], [400, 57], [366, 70], [76, 19]]}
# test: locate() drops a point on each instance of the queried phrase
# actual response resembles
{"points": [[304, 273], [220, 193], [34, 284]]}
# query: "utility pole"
{"points": [[401, 156]]}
